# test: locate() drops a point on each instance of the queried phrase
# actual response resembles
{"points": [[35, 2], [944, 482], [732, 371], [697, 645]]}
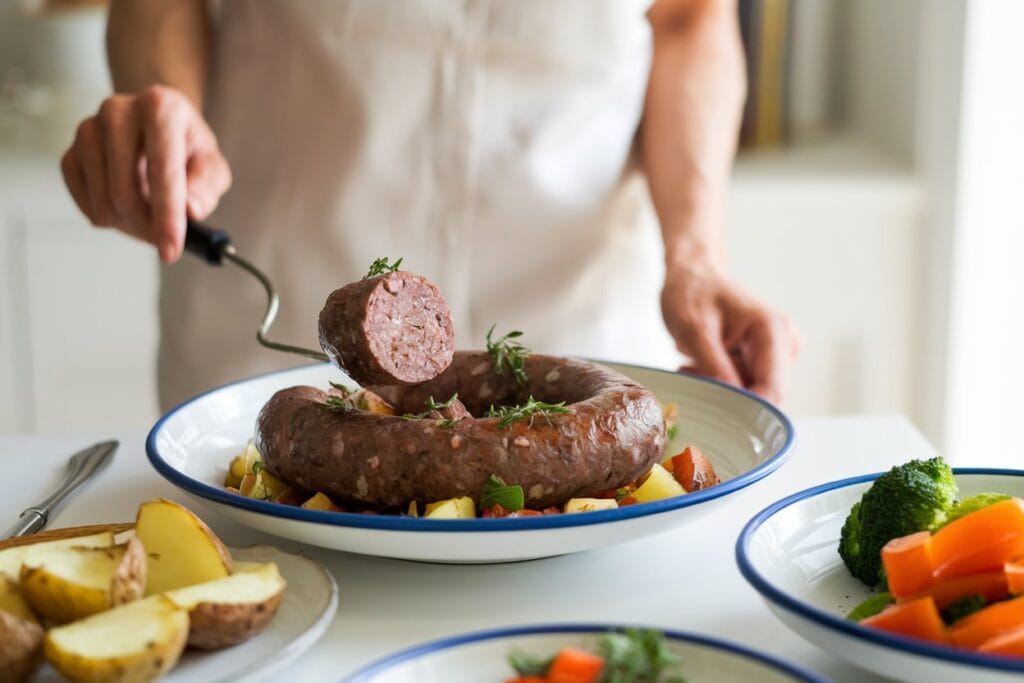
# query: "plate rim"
{"points": [[901, 644], [402, 523], [363, 674]]}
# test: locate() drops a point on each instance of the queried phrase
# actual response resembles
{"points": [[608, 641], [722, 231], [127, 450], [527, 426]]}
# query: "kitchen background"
{"points": [[875, 201]]}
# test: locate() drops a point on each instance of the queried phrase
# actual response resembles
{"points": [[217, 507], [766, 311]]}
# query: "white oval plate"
{"points": [[745, 437], [789, 553], [304, 615], [480, 657]]}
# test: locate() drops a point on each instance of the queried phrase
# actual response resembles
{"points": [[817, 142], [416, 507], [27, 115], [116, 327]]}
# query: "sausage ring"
{"points": [[614, 433]]}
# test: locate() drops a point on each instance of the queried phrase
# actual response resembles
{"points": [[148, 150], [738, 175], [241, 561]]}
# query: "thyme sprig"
{"points": [[381, 266], [343, 402], [506, 352], [529, 410], [434, 406]]}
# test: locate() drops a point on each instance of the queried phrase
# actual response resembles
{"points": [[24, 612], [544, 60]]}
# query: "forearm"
{"points": [[159, 42], [691, 122]]}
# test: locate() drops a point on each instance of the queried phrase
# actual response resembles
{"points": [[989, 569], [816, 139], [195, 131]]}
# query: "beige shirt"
{"points": [[488, 143]]}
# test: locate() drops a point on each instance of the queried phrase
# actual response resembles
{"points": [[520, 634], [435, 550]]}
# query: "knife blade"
{"points": [[82, 466]]}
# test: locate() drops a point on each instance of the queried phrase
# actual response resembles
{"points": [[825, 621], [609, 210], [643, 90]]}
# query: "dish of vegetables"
{"points": [[916, 573], [573, 653]]}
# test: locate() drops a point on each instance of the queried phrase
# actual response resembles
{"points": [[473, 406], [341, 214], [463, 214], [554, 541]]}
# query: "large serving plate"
{"points": [[480, 657], [788, 552], [745, 437]]}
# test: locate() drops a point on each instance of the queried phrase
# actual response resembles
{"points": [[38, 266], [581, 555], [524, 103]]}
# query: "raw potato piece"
{"points": [[229, 611], [65, 584], [132, 643], [21, 636], [182, 550]]}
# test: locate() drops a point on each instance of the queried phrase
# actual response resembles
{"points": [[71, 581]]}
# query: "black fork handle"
{"points": [[205, 242]]}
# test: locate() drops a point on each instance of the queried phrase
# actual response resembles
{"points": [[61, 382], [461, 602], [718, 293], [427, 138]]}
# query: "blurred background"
{"points": [[876, 200]]}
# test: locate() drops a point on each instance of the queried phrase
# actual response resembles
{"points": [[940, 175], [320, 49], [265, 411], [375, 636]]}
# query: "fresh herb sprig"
{"points": [[343, 402], [529, 410], [497, 492], [633, 656], [506, 352], [434, 406], [381, 266]]}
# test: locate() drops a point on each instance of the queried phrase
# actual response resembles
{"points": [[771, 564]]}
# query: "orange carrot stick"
{"points": [[1010, 643], [693, 470], [981, 541], [1015, 576], [908, 564], [991, 585], [985, 624], [574, 666], [915, 618]]}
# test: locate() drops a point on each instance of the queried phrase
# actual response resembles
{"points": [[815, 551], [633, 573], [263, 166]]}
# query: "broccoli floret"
{"points": [[973, 504], [871, 606], [908, 498]]}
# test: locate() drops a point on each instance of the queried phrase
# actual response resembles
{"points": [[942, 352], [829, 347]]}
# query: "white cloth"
{"points": [[488, 143]]}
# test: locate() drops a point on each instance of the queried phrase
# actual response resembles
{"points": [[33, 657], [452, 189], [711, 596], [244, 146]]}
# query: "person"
{"points": [[511, 152]]}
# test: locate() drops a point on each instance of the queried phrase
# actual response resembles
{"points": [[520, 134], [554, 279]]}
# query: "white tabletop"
{"points": [[685, 579]]}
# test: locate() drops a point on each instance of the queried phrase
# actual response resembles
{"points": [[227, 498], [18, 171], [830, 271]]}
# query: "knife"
{"points": [[82, 467]]}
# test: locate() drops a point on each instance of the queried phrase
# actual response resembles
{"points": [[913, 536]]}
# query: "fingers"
{"points": [[91, 157], [119, 121], [772, 345], [74, 178], [208, 177], [164, 125], [703, 343]]}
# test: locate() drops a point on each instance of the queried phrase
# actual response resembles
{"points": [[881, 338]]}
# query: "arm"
{"points": [[688, 139], [158, 53]]}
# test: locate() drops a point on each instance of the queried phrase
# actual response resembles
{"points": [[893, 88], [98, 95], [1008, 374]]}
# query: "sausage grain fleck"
{"points": [[522, 441]]}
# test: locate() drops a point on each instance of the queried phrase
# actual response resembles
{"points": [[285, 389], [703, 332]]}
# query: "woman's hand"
{"points": [[728, 334], [142, 163]]}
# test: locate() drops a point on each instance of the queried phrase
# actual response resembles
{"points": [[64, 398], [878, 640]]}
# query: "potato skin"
{"points": [[213, 626], [21, 648], [129, 582]]}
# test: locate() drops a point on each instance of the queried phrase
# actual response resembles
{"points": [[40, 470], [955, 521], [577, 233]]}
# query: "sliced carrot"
{"points": [[981, 541], [915, 618], [669, 464], [990, 585], [574, 666], [693, 470], [527, 679], [908, 564], [1010, 643], [985, 624], [1015, 576]]}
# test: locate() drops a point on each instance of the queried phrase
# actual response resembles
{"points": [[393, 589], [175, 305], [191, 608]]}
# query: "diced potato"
{"points": [[452, 508], [319, 501], [241, 465], [659, 484], [371, 402], [262, 485], [590, 504], [413, 510]]}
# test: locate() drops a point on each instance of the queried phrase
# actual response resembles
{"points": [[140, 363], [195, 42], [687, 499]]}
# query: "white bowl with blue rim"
{"points": [[789, 553], [481, 657], [745, 438]]}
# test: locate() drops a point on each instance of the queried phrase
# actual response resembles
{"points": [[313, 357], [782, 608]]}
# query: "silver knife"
{"points": [[82, 467]]}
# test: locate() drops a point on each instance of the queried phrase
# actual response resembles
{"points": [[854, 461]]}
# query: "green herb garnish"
{"points": [[871, 606], [622, 493], [636, 657], [343, 402], [526, 664], [531, 409], [434, 406], [381, 266], [257, 466], [505, 352], [672, 432], [497, 492]]}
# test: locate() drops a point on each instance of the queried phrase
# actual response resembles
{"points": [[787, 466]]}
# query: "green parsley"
{"points": [[434, 406], [531, 409], [526, 664], [497, 492], [381, 267], [636, 657], [507, 353], [672, 432]]}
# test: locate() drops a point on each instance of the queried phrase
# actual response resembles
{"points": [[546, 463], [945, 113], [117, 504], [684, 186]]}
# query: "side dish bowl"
{"points": [[745, 437]]}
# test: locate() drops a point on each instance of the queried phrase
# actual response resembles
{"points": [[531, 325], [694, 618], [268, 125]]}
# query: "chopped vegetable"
{"points": [[973, 504], [659, 484], [452, 508], [908, 563], [693, 470], [1014, 576], [574, 666], [590, 504], [982, 541], [908, 498], [320, 501], [963, 607], [497, 492], [918, 618], [994, 620], [629, 657], [526, 664], [1009, 643], [871, 606], [989, 585]]}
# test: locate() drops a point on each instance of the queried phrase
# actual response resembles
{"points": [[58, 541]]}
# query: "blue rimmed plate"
{"points": [[480, 657], [788, 553], [746, 439]]}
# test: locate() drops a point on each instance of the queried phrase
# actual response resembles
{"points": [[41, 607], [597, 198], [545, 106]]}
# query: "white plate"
{"points": [[789, 553], [306, 611], [480, 657], [745, 438]]}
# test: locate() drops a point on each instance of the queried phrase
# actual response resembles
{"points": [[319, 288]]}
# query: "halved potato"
{"points": [[231, 610], [21, 636], [65, 584], [136, 642], [180, 548], [14, 552]]}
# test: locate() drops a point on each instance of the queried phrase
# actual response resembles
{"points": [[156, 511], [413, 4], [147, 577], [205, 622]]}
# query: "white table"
{"points": [[685, 579]]}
